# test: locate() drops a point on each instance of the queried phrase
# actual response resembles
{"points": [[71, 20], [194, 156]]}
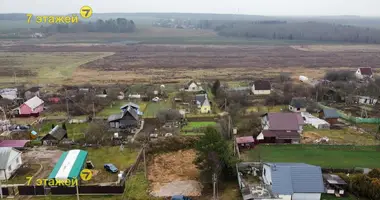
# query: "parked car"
{"points": [[180, 197], [111, 168]]}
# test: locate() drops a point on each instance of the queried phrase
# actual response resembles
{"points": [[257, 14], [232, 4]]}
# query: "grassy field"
{"points": [[194, 125], [153, 108], [116, 108], [22, 173], [101, 156], [266, 108], [332, 197], [343, 136], [324, 156], [50, 67]]}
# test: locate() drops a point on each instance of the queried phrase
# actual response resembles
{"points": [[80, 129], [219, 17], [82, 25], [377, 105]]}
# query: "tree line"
{"points": [[119, 25], [313, 31]]}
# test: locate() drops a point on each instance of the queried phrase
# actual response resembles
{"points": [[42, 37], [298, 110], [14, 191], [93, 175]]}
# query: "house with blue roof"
{"points": [[133, 106], [294, 181], [330, 115]]}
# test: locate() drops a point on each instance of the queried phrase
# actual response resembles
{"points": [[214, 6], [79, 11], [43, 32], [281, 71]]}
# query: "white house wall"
{"points": [[285, 197], [14, 162], [261, 92], [306, 196]]}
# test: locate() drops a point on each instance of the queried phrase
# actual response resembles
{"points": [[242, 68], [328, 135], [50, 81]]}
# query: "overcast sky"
{"points": [[254, 7]]}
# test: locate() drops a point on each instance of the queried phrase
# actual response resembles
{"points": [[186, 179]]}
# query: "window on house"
{"points": [[298, 108], [9, 168], [264, 172], [18, 160]]}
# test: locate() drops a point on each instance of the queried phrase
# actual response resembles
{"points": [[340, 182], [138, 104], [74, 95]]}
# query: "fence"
{"points": [[5, 191], [62, 190], [353, 119], [128, 172], [31, 190]]}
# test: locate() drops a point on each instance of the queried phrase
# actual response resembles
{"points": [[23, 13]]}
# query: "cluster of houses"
{"points": [[289, 181]]}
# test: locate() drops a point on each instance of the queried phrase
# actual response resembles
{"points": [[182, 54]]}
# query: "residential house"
{"points": [[9, 93], [10, 161], [363, 73], [56, 135], [298, 104], [330, 115], [133, 106], [315, 121], [334, 184], [281, 128], [261, 87], [366, 100], [246, 142], [193, 86], [32, 92], [295, 181], [203, 103], [126, 119], [33, 106]]}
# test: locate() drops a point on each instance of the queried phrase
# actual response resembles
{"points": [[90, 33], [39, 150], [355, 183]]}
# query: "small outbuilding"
{"points": [[334, 184], [261, 87], [298, 104], [56, 135], [330, 115], [33, 106], [246, 142]]}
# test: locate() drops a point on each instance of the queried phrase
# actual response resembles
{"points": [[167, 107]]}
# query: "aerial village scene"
{"points": [[177, 106]]}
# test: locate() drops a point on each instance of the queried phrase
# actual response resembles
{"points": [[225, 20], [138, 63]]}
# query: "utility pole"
{"points": [[77, 190], [67, 105], [93, 110], [144, 160], [214, 180]]}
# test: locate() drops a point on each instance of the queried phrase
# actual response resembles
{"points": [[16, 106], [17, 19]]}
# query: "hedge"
{"points": [[363, 185]]}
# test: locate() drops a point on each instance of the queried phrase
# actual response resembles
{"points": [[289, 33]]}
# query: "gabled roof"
{"points": [[190, 82], [283, 121], [289, 178], [57, 133], [246, 139], [130, 104], [298, 102], [200, 98], [5, 153], [366, 71], [330, 113], [13, 143], [334, 179], [262, 85], [34, 102], [34, 89], [119, 116]]}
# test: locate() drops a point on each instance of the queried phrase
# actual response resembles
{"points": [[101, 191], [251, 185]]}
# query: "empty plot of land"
{"points": [[43, 67], [174, 173]]}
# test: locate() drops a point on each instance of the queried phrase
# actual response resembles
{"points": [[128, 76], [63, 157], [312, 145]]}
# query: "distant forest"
{"points": [[120, 25], [315, 31]]}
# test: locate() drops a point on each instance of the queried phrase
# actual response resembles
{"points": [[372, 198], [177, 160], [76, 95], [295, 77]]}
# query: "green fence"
{"points": [[353, 119]]}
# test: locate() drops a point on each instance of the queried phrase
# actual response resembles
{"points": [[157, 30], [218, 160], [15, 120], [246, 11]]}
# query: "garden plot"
{"points": [[196, 128], [174, 173]]}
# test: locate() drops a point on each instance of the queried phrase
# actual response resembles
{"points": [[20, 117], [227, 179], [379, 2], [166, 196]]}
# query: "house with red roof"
{"points": [[281, 128], [246, 142], [364, 72]]}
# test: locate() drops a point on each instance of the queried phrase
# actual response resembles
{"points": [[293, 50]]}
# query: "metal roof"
{"points": [[246, 139], [262, 85], [119, 116], [366, 71], [34, 102], [13, 143], [57, 132], [330, 113], [289, 178], [283, 121], [130, 104], [298, 102], [334, 179]]}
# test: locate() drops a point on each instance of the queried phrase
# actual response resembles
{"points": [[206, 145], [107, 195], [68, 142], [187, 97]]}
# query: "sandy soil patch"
{"points": [[174, 173]]}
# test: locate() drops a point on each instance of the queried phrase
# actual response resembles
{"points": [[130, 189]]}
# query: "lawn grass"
{"points": [[266, 108], [333, 156], [104, 155], [153, 108], [333, 197], [194, 125], [22, 173]]}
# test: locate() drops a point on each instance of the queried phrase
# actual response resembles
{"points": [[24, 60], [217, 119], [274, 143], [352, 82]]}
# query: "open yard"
{"points": [[278, 108], [20, 177], [104, 155], [74, 131], [323, 155], [341, 136], [153, 108], [196, 128]]}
